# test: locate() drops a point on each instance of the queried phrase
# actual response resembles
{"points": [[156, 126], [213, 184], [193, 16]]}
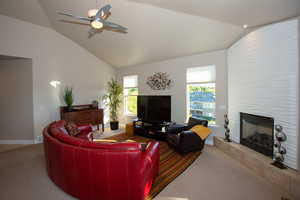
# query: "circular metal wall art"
{"points": [[159, 81]]}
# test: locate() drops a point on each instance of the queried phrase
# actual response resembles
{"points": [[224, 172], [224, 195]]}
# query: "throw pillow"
{"points": [[72, 129], [63, 129]]}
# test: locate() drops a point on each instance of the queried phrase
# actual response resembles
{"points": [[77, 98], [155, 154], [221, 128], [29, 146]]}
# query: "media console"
{"points": [[151, 130]]}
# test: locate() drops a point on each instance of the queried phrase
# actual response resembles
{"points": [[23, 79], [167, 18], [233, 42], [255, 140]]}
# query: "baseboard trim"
{"points": [[209, 141], [16, 141]]}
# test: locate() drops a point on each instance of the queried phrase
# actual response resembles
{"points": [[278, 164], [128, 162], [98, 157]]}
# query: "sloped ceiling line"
{"points": [[158, 30]]}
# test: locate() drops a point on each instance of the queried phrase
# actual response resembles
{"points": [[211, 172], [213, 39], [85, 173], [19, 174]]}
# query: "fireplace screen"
{"points": [[257, 133]]}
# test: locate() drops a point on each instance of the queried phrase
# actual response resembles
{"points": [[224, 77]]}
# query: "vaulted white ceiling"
{"points": [[157, 30], [237, 12]]}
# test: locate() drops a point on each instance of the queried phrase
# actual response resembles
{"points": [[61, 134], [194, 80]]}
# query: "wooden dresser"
{"points": [[83, 114]]}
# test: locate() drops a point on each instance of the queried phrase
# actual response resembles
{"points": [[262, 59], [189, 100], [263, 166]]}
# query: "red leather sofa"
{"points": [[93, 171]]}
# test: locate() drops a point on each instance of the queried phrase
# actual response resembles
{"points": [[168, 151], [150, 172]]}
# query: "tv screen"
{"points": [[155, 109]]}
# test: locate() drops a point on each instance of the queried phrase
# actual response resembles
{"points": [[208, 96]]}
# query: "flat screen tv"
{"points": [[154, 109]]}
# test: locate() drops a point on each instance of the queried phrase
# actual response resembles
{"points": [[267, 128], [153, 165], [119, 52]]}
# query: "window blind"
{"points": [[130, 81], [201, 74]]}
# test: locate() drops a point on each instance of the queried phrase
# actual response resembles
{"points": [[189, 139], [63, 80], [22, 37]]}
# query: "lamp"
{"points": [[97, 24]]}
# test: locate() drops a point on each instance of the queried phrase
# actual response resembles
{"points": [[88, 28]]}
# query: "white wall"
{"points": [[176, 68], [263, 79], [54, 57], [16, 100], [299, 87]]}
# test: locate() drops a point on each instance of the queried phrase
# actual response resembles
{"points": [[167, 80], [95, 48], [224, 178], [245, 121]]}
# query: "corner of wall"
{"points": [[226, 68], [299, 90]]}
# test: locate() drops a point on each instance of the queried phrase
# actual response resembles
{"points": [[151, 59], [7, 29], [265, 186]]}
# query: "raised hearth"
{"points": [[288, 180]]}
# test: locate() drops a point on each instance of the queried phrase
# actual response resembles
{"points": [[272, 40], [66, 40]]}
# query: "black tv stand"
{"points": [[151, 130]]}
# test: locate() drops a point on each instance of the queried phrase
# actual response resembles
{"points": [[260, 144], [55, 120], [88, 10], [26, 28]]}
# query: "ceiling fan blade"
{"points": [[108, 28], [75, 22], [76, 17], [104, 10], [115, 26]]}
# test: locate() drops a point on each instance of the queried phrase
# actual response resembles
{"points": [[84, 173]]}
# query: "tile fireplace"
{"points": [[257, 133]]}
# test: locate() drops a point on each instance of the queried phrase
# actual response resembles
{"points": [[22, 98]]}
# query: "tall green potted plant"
{"points": [[113, 100], [68, 98]]}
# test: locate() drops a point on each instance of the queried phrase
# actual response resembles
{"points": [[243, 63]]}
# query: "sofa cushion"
{"points": [[57, 133], [82, 140], [118, 146]]}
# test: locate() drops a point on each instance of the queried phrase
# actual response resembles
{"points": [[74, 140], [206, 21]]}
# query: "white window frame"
{"points": [[126, 96], [197, 83]]}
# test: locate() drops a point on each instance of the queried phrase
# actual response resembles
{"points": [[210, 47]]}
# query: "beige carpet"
{"points": [[9, 147], [213, 176]]}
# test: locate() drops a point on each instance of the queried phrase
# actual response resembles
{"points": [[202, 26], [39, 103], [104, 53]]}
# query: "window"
{"points": [[130, 84], [201, 93]]}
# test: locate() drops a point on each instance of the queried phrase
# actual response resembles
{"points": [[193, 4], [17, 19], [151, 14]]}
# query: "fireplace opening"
{"points": [[257, 133]]}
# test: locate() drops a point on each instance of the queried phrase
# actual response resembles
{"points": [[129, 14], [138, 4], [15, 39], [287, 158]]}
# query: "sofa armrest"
{"points": [[85, 127], [151, 153], [149, 166], [189, 139], [151, 149]]}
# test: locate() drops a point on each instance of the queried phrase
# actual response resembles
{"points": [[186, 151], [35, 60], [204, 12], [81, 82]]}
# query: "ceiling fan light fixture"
{"points": [[97, 19], [96, 24], [92, 12], [245, 26]]}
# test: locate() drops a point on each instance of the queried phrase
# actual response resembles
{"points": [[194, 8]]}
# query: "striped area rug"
{"points": [[171, 164]]}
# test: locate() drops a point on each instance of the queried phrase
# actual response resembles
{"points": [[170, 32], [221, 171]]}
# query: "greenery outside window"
{"points": [[130, 84], [201, 93]]}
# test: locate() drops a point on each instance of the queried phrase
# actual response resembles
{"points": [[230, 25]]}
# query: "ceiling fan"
{"points": [[97, 19]]}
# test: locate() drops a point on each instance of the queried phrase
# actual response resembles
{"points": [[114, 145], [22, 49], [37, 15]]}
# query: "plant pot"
{"points": [[69, 109], [114, 125]]}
